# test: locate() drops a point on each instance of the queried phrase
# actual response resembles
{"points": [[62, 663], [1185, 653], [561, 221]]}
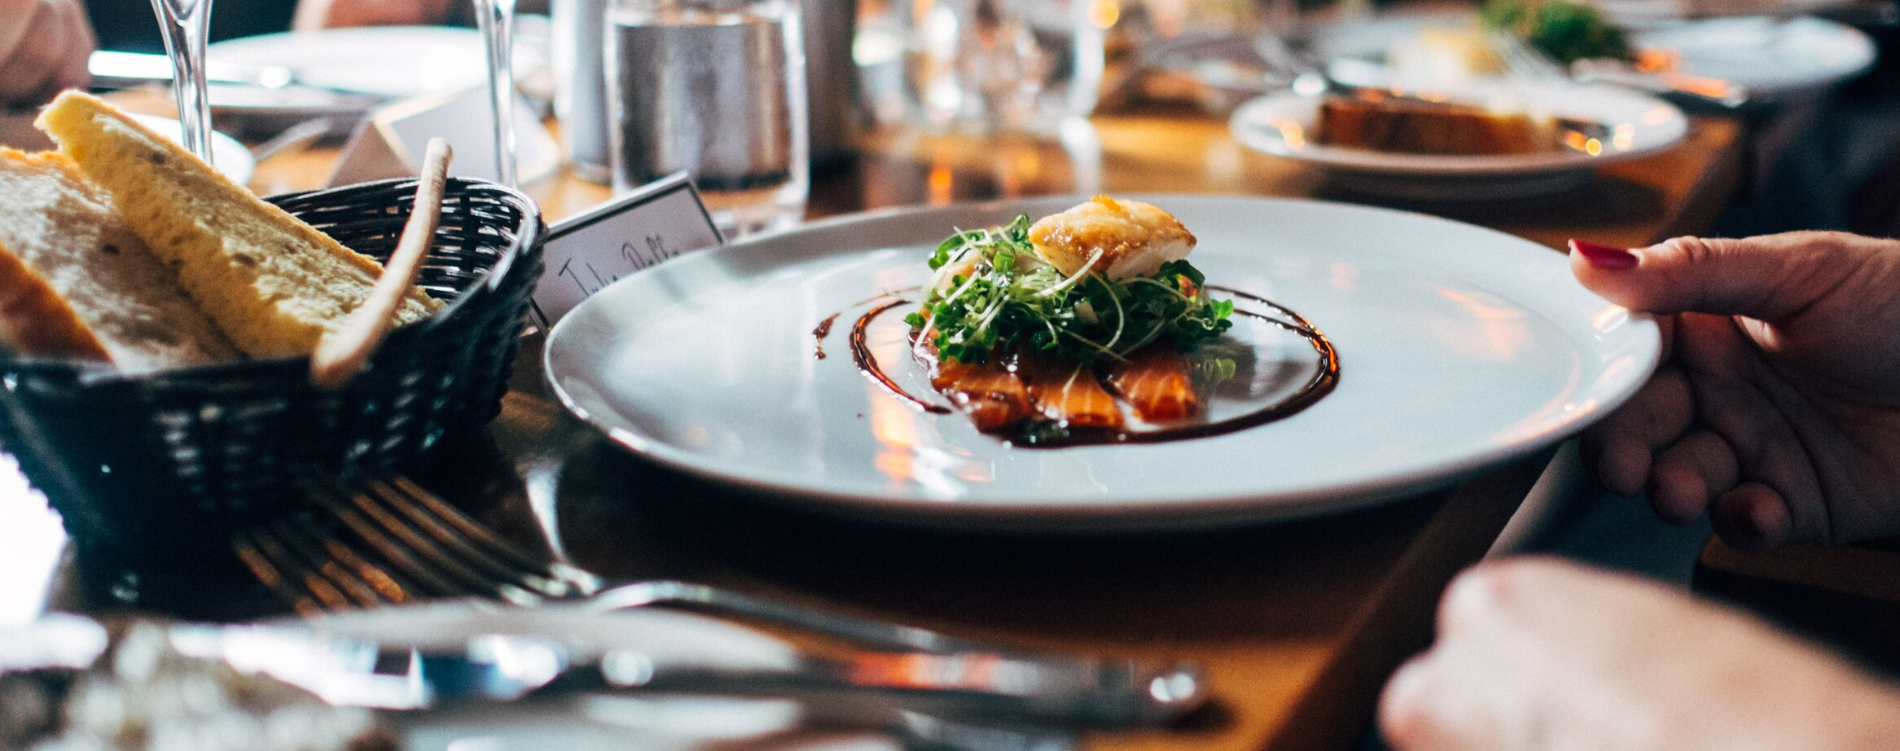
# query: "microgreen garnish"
{"points": [[991, 293]]}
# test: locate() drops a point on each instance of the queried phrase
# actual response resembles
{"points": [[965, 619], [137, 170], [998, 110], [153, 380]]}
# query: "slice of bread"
{"points": [[76, 282], [272, 283]]}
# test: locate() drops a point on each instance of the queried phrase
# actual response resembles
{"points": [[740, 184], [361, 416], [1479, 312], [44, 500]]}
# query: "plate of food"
{"points": [[1075, 368], [1478, 139]]}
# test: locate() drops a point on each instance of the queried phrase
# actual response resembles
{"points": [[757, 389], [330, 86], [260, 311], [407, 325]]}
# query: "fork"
{"points": [[414, 545], [409, 545]]}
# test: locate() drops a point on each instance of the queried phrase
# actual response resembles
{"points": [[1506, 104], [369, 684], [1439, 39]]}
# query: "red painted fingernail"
{"points": [[1604, 256]]}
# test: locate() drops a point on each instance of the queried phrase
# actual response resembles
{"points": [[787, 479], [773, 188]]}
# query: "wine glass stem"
{"points": [[497, 21], [186, 23]]}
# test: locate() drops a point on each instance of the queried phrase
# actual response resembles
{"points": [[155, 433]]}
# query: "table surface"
{"points": [[1297, 624]]}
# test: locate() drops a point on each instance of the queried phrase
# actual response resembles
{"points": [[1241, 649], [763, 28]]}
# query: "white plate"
{"points": [[392, 61], [395, 62], [1769, 57], [1280, 124], [1459, 347]]}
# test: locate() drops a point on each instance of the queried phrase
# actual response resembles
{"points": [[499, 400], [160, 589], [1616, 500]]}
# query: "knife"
{"points": [[462, 652]]}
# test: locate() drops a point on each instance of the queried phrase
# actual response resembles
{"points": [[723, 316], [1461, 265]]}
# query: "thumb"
{"points": [[1768, 278]]}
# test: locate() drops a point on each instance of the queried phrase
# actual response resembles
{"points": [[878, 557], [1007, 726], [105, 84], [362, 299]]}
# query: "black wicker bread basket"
{"points": [[166, 464]]}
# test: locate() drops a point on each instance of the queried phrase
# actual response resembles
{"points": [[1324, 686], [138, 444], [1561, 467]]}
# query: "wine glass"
{"points": [[497, 21], [186, 22]]}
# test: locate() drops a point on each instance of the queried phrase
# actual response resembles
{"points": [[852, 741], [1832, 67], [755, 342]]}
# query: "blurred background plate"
{"points": [[1769, 56], [1283, 124]]}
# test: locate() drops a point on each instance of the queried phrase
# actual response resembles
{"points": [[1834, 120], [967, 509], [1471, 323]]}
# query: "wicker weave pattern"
{"points": [[161, 465]]}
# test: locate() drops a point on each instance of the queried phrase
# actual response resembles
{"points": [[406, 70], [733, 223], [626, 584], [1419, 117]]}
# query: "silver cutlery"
{"points": [[380, 541]]}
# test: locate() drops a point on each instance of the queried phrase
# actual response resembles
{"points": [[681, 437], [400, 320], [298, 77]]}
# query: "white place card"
{"points": [[585, 253], [391, 141]]}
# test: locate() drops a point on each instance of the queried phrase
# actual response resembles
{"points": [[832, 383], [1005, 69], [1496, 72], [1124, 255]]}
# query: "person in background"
{"points": [[42, 52], [1777, 412], [320, 14]]}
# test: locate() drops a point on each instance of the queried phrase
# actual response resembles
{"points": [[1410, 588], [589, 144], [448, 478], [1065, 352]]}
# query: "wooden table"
{"points": [[1296, 624]]}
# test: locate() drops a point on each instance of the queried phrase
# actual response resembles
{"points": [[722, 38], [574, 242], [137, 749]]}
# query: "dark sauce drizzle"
{"points": [[1033, 434], [861, 354], [818, 335]]}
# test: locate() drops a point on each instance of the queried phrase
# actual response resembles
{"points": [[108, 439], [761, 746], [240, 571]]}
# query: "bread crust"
{"points": [[36, 320]]}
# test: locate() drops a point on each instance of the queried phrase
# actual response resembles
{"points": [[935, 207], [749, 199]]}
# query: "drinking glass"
{"points": [[716, 88], [186, 22], [989, 65], [496, 18]]}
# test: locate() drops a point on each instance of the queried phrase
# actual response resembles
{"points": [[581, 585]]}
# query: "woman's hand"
{"points": [[1777, 406], [1551, 656], [44, 47]]}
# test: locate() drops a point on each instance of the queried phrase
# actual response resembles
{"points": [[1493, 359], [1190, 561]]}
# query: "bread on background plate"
{"points": [[271, 283], [76, 282]]}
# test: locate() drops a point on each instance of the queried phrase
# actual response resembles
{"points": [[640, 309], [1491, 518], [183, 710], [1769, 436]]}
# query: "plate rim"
{"points": [[1246, 129], [1042, 516]]}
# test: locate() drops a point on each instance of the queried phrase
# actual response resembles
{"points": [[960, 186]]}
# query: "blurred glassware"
{"points": [[580, 99], [186, 24], [580, 86], [497, 21], [986, 65], [716, 88], [836, 105]]}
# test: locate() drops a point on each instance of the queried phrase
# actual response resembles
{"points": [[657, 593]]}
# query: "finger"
{"points": [[1768, 277], [1689, 474], [1619, 447], [1405, 706], [1752, 516]]}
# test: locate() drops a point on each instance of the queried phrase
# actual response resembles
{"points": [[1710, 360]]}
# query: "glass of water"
{"points": [[983, 65], [716, 88]]}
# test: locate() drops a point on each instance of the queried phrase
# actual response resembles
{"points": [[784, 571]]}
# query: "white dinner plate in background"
{"points": [[1459, 347], [1282, 124], [1778, 56], [394, 62], [1768, 56]]}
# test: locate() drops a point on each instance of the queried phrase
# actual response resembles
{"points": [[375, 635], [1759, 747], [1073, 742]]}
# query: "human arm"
{"points": [[1539, 654], [1777, 406], [44, 46], [320, 14]]}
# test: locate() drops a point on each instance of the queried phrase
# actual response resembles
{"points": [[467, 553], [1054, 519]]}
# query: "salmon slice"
{"points": [[990, 394], [1067, 393], [1157, 384]]}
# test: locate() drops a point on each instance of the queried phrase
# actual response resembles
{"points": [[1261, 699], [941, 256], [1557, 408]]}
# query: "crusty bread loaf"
{"points": [[1134, 238], [76, 282], [273, 284]]}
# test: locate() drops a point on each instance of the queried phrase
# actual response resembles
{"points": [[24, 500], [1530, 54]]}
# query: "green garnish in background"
{"points": [[1012, 299], [1565, 30]]}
